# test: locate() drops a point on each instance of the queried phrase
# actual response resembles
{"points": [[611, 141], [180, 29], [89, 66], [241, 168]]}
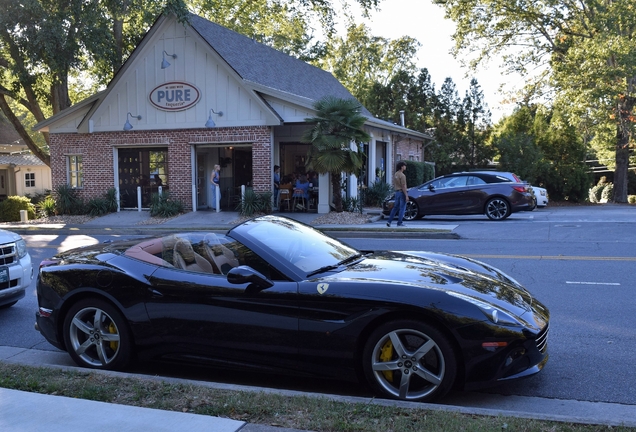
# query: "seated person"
{"points": [[301, 190]]}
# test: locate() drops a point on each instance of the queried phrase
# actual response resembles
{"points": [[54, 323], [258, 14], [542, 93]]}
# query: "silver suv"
{"points": [[16, 270]]}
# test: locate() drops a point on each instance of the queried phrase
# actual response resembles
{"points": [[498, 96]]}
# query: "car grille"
{"points": [[542, 339], [7, 254], [9, 284]]}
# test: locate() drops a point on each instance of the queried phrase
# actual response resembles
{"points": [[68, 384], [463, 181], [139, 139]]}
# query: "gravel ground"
{"points": [[62, 219]]}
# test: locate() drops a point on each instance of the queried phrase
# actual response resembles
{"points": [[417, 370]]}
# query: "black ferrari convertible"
{"points": [[279, 296]]}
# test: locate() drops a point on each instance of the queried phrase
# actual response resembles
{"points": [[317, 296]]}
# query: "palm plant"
{"points": [[337, 124]]}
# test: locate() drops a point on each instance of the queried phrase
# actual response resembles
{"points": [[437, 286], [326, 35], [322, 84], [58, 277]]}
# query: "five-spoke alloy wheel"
{"points": [[96, 335], [409, 360], [497, 209]]}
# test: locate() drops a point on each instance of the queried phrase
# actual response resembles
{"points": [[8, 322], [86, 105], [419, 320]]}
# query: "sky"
{"points": [[424, 21]]}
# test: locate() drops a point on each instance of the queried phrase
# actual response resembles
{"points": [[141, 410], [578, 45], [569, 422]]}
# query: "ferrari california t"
{"points": [[467, 193], [279, 296]]}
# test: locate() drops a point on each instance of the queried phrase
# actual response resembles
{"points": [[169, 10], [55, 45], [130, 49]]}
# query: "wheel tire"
{"points": [[394, 368], [497, 209], [412, 211], [97, 335]]}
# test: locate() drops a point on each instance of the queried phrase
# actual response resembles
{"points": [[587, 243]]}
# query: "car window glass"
{"points": [[473, 180], [246, 256], [458, 181], [304, 247]]}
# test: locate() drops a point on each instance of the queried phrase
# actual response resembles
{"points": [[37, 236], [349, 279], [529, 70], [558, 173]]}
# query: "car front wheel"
{"points": [[96, 335], [497, 209], [409, 360]]}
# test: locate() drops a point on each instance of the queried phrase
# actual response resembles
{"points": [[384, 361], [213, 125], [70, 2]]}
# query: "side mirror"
{"points": [[431, 187], [246, 274]]}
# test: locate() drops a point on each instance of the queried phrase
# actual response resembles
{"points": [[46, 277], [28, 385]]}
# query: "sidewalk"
{"points": [[136, 222]]}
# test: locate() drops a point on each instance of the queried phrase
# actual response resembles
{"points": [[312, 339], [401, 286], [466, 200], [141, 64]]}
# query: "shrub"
{"points": [[352, 205], [163, 206], [631, 199], [375, 194], [111, 200], [10, 208], [252, 203], [595, 193], [46, 207], [98, 206], [607, 195], [67, 201], [39, 197]]}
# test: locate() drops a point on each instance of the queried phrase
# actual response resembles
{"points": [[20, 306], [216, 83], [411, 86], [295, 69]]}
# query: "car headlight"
{"points": [[20, 248], [493, 313]]}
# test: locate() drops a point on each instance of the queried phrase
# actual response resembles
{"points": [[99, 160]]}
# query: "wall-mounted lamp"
{"points": [[127, 125], [164, 63], [210, 123]]}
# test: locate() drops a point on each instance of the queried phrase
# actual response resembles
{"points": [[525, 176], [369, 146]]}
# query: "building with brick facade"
{"points": [[195, 95]]}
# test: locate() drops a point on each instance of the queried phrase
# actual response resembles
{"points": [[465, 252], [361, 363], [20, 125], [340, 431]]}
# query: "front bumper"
{"points": [[20, 277]]}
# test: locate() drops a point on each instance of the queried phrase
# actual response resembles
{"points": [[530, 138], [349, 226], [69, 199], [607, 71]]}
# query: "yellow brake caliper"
{"points": [[113, 330], [386, 354]]}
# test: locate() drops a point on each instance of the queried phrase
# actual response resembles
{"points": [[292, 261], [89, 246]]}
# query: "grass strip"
{"points": [[306, 413]]}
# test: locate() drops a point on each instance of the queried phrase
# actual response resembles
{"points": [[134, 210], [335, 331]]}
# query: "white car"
{"points": [[16, 270], [541, 195]]}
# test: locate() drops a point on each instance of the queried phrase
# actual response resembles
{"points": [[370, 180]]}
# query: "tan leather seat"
{"points": [[184, 257], [219, 255]]}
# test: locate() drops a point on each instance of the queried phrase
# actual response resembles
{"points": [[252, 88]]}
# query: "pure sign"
{"points": [[174, 96]]}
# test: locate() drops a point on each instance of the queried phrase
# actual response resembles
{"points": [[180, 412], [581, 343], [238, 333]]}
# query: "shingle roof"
{"points": [[20, 160], [261, 64], [7, 132]]}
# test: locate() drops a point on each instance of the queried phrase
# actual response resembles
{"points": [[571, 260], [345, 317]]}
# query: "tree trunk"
{"points": [[337, 191], [37, 151], [60, 99], [623, 138]]}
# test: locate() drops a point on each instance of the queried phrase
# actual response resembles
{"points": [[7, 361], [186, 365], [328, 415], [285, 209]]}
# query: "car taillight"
{"points": [[48, 262], [520, 188]]}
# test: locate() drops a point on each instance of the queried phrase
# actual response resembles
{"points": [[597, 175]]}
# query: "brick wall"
{"points": [[96, 150], [407, 147]]}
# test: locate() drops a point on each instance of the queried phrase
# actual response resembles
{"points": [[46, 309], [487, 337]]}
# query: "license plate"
{"points": [[4, 274]]}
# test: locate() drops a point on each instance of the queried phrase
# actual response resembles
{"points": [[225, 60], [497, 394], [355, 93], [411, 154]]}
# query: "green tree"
{"points": [[542, 148], [45, 44], [337, 124], [449, 145], [585, 50], [477, 126], [415, 95], [361, 60]]}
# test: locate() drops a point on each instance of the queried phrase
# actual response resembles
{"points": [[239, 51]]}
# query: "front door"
{"points": [[202, 180]]}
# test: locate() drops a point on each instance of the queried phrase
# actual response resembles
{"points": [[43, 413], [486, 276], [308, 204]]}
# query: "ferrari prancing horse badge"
{"points": [[322, 288]]}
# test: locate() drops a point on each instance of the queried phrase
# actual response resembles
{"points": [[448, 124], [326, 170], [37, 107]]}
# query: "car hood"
{"points": [[442, 272]]}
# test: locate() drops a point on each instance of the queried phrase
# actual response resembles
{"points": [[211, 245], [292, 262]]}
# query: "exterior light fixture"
{"points": [[127, 125], [210, 123], [164, 63]]}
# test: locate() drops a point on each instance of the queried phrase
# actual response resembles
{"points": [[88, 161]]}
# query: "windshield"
{"points": [[305, 247]]}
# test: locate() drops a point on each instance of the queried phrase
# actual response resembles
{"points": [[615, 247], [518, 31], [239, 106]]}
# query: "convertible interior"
{"points": [[206, 255]]}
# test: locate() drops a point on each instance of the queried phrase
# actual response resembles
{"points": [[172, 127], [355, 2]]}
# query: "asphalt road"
{"points": [[579, 263]]}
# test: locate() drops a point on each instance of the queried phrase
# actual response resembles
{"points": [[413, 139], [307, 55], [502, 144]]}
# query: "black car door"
{"points": [[203, 315]]}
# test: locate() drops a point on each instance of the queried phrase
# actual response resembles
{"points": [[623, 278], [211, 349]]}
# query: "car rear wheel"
{"points": [[409, 360], [411, 211], [497, 209], [97, 336]]}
